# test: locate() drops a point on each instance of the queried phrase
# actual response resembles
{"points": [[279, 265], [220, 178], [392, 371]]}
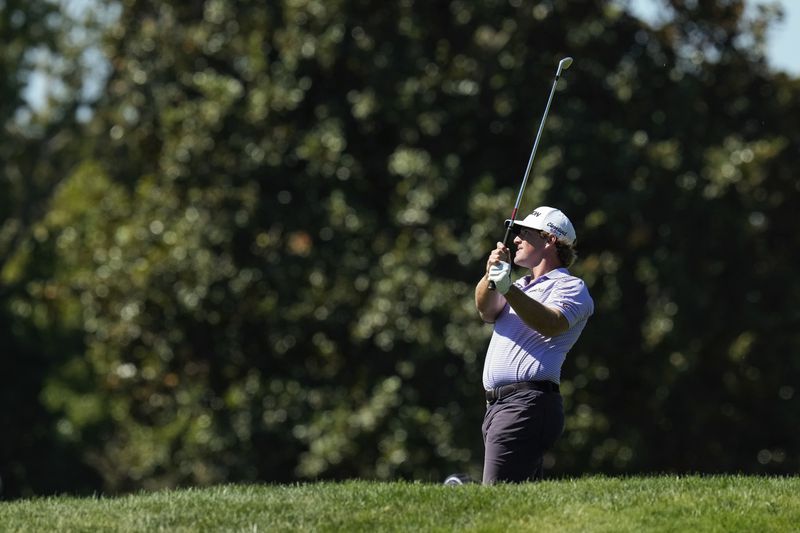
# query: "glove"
{"points": [[501, 275]]}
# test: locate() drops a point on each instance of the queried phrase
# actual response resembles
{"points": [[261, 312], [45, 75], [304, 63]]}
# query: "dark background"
{"points": [[239, 241]]}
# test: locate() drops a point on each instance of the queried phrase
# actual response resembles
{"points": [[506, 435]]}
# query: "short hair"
{"points": [[567, 253]]}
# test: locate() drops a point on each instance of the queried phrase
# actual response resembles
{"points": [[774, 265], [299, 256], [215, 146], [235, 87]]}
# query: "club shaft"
{"points": [[564, 63], [533, 151]]}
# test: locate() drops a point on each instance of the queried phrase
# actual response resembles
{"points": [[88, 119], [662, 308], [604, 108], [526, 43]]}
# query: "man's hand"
{"points": [[500, 273], [490, 302]]}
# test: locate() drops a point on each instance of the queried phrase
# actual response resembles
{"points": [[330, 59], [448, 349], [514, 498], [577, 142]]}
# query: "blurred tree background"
{"points": [[239, 240]]}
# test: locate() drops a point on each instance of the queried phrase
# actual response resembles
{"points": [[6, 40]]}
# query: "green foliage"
{"points": [[256, 259], [724, 503], [38, 145]]}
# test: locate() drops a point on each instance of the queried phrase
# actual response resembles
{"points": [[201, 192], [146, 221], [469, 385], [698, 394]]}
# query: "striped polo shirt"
{"points": [[519, 353]]}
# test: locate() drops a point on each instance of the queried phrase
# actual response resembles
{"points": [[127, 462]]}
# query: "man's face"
{"points": [[530, 245]]}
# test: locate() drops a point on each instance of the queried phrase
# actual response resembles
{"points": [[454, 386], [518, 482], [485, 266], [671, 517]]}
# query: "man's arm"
{"points": [[546, 320], [489, 303]]}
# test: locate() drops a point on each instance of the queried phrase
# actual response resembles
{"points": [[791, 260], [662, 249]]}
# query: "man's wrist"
{"points": [[502, 285]]}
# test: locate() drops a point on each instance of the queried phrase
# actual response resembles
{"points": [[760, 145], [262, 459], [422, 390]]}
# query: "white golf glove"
{"points": [[501, 275]]}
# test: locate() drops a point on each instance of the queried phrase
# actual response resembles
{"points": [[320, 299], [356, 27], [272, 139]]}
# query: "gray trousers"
{"points": [[517, 430]]}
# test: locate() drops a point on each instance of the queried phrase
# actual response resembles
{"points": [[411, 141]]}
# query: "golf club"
{"points": [[564, 64]]}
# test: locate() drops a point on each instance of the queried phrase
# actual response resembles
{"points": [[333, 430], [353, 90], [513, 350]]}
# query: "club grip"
{"points": [[492, 285]]}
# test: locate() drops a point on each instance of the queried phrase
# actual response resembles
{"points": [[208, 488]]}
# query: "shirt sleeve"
{"points": [[571, 297]]}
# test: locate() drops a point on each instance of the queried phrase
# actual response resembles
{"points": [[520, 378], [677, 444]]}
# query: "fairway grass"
{"points": [[718, 503]]}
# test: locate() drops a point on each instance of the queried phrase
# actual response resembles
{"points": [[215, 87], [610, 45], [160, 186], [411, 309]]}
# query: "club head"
{"points": [[564, 64], [458, 479]]}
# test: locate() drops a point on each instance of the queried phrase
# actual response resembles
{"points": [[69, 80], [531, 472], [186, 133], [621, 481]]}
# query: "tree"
{"points": [[39, 142], [270, 246]]}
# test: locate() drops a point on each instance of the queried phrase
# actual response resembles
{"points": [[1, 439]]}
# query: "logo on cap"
{"points": [[556, 229]]}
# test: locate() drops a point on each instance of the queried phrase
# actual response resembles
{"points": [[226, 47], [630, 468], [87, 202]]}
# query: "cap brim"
{"points": [[521, 223]]}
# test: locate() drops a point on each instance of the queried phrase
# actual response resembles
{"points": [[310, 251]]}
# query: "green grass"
{"points": [[719, 503]]}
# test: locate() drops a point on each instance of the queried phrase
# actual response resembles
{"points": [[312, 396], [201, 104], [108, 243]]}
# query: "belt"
{"points": [[498, 393]]}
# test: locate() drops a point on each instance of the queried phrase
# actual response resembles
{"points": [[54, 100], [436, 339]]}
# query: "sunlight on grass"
{"points": [[719, 503]]}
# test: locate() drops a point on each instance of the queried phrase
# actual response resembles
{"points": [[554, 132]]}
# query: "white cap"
{"points": [[551, 220]]}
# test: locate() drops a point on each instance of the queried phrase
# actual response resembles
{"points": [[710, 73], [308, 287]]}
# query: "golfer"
{"points": [[537, 319]]}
